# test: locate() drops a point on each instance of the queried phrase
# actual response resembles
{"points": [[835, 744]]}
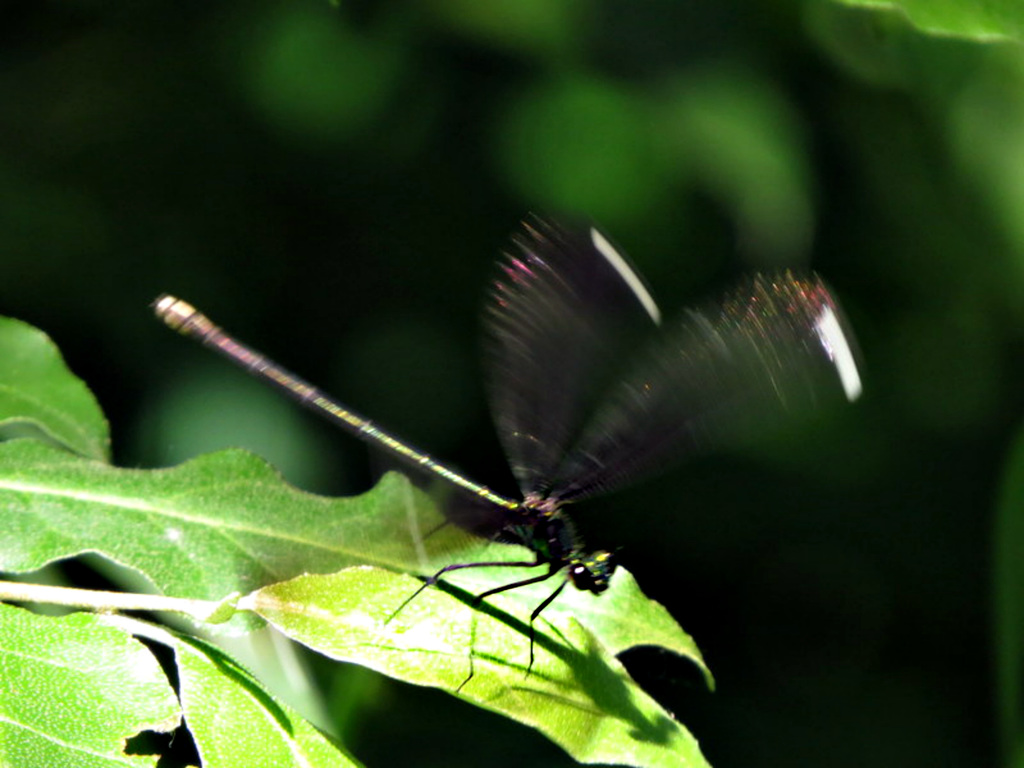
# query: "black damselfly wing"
{"points": [[775, 344], [560, 313]]}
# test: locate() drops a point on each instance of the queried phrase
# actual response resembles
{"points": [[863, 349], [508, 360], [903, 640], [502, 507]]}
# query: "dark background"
{"points": [[333, 185]]}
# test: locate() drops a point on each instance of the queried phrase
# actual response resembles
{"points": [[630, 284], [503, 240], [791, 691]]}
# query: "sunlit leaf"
{"points": [[576, 692], [232, 718], [39, 396], [72, 690], [222, 523], [226, 522]]}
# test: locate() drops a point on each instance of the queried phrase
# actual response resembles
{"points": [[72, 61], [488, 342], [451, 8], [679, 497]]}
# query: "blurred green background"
{"points": [[332, 185]]}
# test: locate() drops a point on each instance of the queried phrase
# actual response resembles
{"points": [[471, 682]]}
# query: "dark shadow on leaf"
{"points": [[602, 683]]}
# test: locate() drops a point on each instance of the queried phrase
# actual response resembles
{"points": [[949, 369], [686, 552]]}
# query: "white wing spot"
{"points": [[832, 336], [173, 534], [636, 285]]}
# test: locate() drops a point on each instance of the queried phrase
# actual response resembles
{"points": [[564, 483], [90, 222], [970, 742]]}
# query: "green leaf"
{"points": [[72, 690], [625, 618], [222, 523], [576, 693], [990, 20], [39, 396], [226, 522], [226, 707]]}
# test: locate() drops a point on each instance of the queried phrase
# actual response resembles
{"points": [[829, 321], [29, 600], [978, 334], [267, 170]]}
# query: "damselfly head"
{"points": [[592, 572]]}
